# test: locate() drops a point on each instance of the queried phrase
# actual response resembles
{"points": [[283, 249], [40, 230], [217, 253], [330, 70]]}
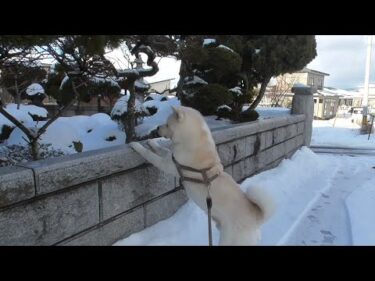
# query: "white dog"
{"points": [[237, 216]]}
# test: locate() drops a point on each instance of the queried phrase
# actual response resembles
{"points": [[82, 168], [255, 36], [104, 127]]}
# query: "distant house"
{"points": [[371, 94], [160, 86], [279, 90], [306, 76], [329, 100]]}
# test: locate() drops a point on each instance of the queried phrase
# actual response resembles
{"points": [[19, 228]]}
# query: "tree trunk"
{"points": [[34, 145], [180, 84], [18, 96], [130, 118], [98, 103], [262, 90]]}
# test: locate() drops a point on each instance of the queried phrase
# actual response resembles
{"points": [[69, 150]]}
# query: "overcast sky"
{"points": [[341, 56]]}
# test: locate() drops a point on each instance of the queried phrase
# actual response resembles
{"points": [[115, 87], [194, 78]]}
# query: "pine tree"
{"points": [[239, 63]]}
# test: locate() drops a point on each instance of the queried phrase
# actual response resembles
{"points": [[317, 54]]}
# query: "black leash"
{"points": [[209, 206]]}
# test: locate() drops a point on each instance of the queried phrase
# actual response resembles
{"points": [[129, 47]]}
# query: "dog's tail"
{"points": [[263, 200]]}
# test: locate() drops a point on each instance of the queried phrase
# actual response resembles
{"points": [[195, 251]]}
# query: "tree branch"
{"points": [[30, 134], [59, 112]]}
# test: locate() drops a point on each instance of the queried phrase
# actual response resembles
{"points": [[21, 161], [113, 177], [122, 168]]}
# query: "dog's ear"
{"points": [[178, 112]]}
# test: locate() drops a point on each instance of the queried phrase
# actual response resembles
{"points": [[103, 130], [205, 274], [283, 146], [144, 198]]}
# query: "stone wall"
{"points": [[98, 197]]}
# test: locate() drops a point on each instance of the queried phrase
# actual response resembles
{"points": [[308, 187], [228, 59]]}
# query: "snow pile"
{"points": [[188, 226], [27, 108], [94, 132], [22, 114], [164, 109], [156, 96], [361, 209], [270, 112], [121, 106], [293, 184], [289, 184], [342, 133], [34, 89]]}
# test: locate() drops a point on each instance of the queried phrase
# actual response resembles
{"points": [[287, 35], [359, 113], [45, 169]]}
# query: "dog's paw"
{"points": [[136, 146], [152, 143]]}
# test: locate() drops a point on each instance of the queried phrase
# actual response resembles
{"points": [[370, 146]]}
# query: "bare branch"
{"points": [[29, 133], [60, 111]]}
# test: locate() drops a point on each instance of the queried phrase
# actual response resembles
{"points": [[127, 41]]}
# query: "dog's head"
{"points": [[183, 124]]}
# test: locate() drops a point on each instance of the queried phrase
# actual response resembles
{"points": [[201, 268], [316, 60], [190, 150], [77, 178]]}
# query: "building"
{"points": [[371, 94], [330, 100], [306, 76], [160, 86], [279, 90]]}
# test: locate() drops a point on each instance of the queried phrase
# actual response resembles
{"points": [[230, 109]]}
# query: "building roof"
{"points": [[158, 81], [308, 70]]}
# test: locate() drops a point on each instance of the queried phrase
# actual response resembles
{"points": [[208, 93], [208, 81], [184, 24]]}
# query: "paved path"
{"points": [[326, 220]]}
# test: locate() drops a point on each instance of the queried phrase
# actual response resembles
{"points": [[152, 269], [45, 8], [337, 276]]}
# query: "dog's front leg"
{"points": [[165, 164], [161, 151]]}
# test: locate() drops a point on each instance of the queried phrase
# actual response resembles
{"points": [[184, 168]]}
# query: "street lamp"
{"points": [[366, 86]]}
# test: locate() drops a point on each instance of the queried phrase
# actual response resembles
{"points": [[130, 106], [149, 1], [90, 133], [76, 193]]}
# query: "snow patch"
{"points": [[236, 90], [121, 106], [208, 41], [224, 106], [225, 47], [361, 207], [34, 89], [194, 80]]}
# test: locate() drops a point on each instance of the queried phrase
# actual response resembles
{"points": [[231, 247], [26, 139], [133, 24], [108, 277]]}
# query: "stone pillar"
{"points": [[303, 103]]}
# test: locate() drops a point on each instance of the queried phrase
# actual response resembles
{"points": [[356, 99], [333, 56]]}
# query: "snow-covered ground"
{"points": [[341, 133], [361, 207], [322, 199]]}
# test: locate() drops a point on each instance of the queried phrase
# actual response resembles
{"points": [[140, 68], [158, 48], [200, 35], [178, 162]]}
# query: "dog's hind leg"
{"points": [[225, 237]]}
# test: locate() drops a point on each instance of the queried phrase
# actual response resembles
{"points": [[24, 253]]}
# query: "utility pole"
{"points": [[366, 87]]}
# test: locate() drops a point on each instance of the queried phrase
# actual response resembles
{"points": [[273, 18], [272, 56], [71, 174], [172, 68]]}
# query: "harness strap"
{"points": [[206, 181]]}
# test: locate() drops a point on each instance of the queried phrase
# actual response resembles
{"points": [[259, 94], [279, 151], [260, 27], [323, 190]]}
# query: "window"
{"points": [[320, 82], [310, 81], [320, 100]]}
